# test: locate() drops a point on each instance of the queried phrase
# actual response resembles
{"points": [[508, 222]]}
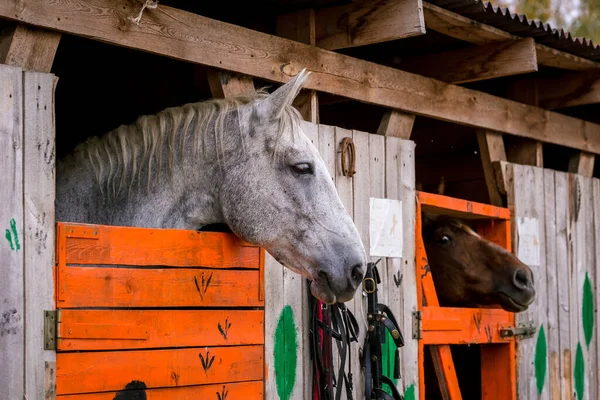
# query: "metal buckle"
{"points": [[373, 288]]}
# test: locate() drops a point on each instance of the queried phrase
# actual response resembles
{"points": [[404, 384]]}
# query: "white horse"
{"points": [[244, 162]]}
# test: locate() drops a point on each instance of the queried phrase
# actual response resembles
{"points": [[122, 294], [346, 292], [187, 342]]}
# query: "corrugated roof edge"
{"points": [[520, 25]]}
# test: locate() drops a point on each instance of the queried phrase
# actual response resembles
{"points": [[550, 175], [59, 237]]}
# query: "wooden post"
{"points": [[582, 163], [491, 148], [225, 84], [396, 124], [30, 48], [301, 27]]}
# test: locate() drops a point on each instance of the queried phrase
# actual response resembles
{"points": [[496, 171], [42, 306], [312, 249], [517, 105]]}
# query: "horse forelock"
{"points": [[128, 149]]}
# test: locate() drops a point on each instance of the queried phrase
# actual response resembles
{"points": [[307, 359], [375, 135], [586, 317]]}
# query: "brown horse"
{"points": [[470, 271]]}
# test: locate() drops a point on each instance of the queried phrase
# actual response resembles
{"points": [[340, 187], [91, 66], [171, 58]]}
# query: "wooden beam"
{"points": [[225, 84], [525, 152], [478, 63], [397, 124], [491, 148], [368, 22], [301, 27], [459, 27], [569, 89], [185, 36], [30, 48], [582, 164]]}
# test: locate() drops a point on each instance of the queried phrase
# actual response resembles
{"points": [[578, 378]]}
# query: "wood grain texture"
{"points": [[368, 22], [525, 152], [459, 27], [106, 245], [111, 371], [39, 239], [491, 149], [494, 60], [30, 48], [133, 287], [273, 308], [83, 330], [396, 124], [582, 163], [596, 254], [252, 390], [226, 84], [12, 307], [185, 36], [569, 89]]}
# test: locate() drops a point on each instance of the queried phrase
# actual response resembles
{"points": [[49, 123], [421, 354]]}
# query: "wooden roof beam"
{"points": [[459, 27], [367, 22], [186, 36], [494, 60], [569, 89], [30, 48]]}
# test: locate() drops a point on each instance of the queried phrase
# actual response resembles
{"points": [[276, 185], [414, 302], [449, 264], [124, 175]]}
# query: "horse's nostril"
{"points": [[357, 274], [521, 279]]}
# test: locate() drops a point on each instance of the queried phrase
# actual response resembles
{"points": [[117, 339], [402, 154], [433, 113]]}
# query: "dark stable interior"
{"points": [[102, 86]]}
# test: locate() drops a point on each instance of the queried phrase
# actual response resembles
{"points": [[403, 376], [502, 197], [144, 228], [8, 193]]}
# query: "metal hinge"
{"points": [[523, 330], [50, 329], [416, 324]]}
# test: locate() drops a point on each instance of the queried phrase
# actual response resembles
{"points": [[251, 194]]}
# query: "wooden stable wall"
{"points": [[556, 231], [27, 224], [384, 169]]}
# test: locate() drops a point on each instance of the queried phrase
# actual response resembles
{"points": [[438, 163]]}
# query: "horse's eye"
{"points": [[444, 240], [302, 168]]}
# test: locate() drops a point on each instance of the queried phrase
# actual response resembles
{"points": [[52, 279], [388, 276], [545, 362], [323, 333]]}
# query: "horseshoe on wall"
{"points": [[348, 150]]}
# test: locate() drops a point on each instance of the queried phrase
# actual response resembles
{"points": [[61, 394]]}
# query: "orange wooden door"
{"points": [[170, 313], [442, 326]]}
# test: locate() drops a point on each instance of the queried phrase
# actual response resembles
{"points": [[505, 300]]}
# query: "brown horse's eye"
{"points": [[302, 168], [444, 240]]}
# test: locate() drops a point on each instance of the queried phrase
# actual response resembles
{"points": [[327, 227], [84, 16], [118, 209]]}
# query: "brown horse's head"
{"points": [[471, 271]]}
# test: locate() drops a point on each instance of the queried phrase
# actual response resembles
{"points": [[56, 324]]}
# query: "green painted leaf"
{"points": [[285, 353], [587, 310], [409, 393], [579, 372], [540, 360]]}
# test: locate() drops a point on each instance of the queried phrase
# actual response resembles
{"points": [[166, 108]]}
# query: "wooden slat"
{"points": [[596, 288], [226, 84], [108, 245], [111, 371], [190, 37], [474, 325], [525, 152], [39, 189], [368, 22], [459, 27], [446, 374], [498, 375], [132, 287], [491, 149], [30, 48], [397, 124], [435, 203], [12, 305], [241, 390], [139, 329], [494, 60], [582, 163], [569, 89]]}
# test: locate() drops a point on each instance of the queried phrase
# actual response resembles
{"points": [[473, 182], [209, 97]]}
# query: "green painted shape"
{"points": [[388, 357], [587, 310], [409, 393], [9, 238], [13, 227], [285, 353], [579, 372], [540, 360]]}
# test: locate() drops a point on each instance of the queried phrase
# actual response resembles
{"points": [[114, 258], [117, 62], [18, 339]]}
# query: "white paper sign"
{"points": [[385, 227], [529, 244]]}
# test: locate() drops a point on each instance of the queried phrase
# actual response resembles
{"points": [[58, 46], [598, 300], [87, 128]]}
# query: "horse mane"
{"points": [[127, 150], [452, 222]]}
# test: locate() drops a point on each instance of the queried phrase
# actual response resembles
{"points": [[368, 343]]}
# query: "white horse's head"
{"points": [[278, 194]]}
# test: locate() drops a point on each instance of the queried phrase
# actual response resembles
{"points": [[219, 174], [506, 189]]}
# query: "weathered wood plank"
{"points": [[525, 152], [596, 254], [569, 89], [459, 27], [396, 124], [491, 149], [30, 48], [226, 84], [112, 370], [494, 60], [190, 37], [582, 163], [39, 240], [368, 22], [273, 307], [12, 307]]}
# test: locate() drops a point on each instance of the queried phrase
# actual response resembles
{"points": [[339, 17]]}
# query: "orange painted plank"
{"points": [[138, 329], [241, 390], [111, 371], [498, 372], [135, 287], [446, 374], [438, 204], [98, 244], [478, 325]]}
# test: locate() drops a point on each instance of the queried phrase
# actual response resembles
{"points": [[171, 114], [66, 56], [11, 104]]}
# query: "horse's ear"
{"points": [[272, 107], [427, 220]]}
